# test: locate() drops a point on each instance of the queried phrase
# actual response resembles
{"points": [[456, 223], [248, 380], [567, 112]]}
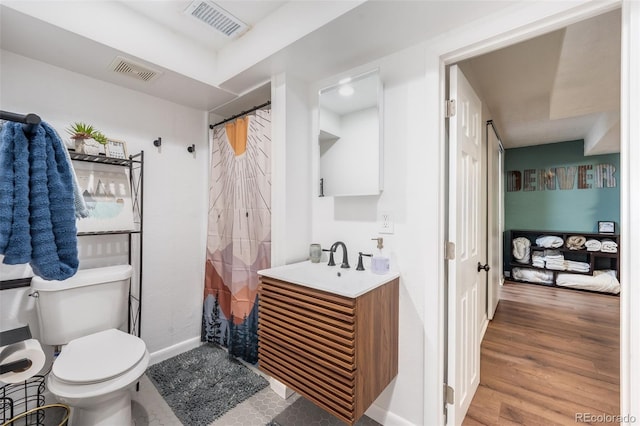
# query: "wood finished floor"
{"points": [[548, 354]]}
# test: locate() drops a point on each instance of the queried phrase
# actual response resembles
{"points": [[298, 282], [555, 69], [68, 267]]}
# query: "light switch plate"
{"points": [[385, 223]]}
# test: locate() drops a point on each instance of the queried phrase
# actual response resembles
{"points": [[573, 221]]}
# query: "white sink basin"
{"points": [[333, 279]]}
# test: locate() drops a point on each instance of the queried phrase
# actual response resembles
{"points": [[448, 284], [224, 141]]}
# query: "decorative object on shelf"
{"points": [[107, 194], [606, 227], [87, 139], [116, 149]]}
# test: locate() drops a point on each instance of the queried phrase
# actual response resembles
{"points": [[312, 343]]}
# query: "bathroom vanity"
{"points": [[330, 334]]}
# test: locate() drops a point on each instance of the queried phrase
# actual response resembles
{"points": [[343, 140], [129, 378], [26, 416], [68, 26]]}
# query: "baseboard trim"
{"points": [[171, 351], [485, 325], [387, 418]]}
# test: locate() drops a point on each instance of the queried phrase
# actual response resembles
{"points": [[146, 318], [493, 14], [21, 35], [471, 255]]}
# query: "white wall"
{"points": [[410, 195], [290, 177], [175, 186], [630, 238]]}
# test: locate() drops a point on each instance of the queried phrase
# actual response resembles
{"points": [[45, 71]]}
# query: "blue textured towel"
{"points": [[37, 214]]}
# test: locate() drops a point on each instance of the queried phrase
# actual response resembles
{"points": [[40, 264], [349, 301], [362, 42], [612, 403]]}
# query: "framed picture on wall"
{"points": [[606, 227]]}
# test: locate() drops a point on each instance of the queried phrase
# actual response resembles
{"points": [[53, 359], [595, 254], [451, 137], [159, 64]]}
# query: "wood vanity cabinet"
{"points": [[338, 352]]}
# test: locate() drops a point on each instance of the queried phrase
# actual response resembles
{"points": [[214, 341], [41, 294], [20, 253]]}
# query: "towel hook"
{"points": [[157, 142], [192, 148]]}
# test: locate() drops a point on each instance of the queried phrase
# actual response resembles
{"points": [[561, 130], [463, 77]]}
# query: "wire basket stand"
{"points": [[21, 397], [23, 404]]}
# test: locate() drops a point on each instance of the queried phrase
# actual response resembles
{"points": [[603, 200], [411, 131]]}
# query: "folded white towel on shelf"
{"points": [[577, 266], [556, 266], [532, 275], [521, 249], [553, 254], [549, 241], [593, 245], [537, 259], [609, 246]]}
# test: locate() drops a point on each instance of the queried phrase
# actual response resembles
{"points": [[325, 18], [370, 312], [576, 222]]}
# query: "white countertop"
{"points": [[332, 279]]}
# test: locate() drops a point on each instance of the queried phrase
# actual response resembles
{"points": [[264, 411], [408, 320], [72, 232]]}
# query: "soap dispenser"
{"points": [[379, 262]]}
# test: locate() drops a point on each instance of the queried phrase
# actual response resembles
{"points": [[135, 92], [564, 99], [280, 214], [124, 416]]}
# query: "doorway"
{"points": [[618, 101]]}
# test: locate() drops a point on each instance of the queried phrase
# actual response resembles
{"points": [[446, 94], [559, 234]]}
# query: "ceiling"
{"points": [[548, 89], [171, 15], [561, 86]]}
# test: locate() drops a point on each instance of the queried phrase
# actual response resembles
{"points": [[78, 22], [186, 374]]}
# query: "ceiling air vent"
{"points": [[216, 17], [128, 67]]}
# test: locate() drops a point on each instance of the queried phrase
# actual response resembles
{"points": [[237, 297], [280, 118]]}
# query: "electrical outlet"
{"points": [[385, 223]]}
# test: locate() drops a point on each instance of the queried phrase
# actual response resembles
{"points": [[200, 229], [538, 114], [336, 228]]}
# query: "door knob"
{"points": [[486, 267]]}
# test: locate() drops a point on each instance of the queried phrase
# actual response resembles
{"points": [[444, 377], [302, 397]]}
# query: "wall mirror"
{"points": [[350, 136]]}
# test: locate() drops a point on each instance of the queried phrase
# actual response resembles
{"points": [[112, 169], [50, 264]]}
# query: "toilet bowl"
{"points": [[94, 374]]}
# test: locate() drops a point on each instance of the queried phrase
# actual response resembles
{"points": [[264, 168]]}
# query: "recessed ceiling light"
{"points": [[346, 90]]}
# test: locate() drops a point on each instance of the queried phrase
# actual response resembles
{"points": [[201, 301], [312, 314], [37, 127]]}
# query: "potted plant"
{"points": [[87, 139]]}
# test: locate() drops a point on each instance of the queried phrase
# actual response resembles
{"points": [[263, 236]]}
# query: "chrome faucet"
{"points": [[345, 257]]}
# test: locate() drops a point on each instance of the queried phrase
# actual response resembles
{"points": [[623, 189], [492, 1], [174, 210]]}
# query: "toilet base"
{"points": [[116, 411]]}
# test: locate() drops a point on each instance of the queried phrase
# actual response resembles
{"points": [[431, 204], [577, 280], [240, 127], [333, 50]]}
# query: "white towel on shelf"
{"points": [[593, 245], [556, 265], [604, 281], [532, 275], [549, 241], [577, 266], [553, 254], [537, 259], [609, 246], [521, 249]]}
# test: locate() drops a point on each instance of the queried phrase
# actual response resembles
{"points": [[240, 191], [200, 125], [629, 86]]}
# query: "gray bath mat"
{"points": [[204, 383]]}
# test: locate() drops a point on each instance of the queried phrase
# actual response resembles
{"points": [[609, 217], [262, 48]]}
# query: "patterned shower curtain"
{"points": [[239, 232]]}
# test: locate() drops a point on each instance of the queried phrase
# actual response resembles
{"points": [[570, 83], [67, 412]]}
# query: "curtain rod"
{"points": [[233, 117], [495, 130], [31, 120]]}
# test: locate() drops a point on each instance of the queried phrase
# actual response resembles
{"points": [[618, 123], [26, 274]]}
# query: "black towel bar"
{"points": [[31, 120]]}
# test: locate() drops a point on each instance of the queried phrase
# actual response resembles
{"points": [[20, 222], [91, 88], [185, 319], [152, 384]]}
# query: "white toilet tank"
{"points": [[92, 300]]}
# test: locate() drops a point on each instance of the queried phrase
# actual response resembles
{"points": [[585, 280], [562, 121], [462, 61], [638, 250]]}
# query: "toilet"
{"points": [[98, 363]]}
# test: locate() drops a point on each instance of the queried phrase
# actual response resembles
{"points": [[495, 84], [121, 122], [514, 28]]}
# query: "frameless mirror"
{"points": [[350, 136]]}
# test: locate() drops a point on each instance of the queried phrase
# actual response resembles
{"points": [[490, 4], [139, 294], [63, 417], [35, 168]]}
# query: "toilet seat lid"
{"points": [[98, 357]]}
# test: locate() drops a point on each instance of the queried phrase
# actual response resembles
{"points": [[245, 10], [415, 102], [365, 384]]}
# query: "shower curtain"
{"points": [[239, 232]]}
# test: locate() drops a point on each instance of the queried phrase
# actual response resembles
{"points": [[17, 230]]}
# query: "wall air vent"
{"points": [[128, 67], [216, 17]]}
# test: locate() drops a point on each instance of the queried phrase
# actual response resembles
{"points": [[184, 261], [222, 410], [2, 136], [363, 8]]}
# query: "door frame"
{"points": [[494, 195], [487, 41]]}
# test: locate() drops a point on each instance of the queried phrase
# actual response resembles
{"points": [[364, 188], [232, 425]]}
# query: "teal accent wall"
{"points": [[560, 209]]}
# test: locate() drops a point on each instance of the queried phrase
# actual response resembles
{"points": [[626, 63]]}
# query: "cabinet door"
{"points": [[307, 341]]}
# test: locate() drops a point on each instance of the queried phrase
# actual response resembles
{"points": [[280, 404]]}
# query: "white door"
{"points": [[466, 227], [494, 214]]}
